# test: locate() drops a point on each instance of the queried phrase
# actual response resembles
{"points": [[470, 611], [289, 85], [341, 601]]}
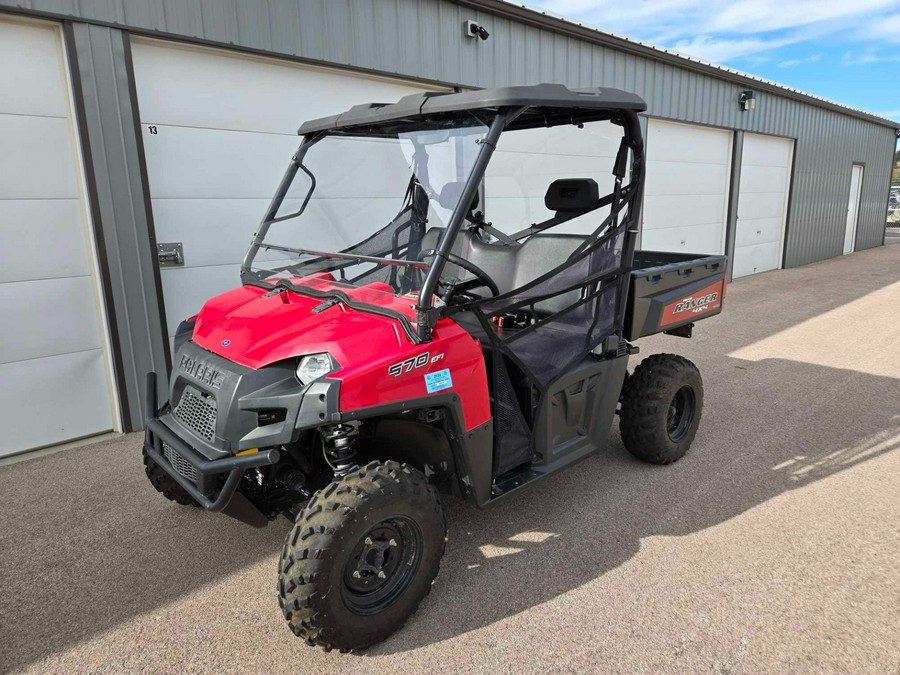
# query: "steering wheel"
{"points": [[463, 288]]}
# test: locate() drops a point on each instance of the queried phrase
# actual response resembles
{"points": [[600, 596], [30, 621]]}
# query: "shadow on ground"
{"points": [[88, 545]]}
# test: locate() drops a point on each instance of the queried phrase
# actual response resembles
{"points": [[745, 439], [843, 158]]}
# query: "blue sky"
{"points": [[847, 51]]}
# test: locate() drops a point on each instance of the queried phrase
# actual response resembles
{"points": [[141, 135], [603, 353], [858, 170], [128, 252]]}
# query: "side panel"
{"points": [[577, 412], [452, 363]]}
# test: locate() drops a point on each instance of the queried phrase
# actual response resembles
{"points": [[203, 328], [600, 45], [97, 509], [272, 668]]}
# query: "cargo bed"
{"points": [[670, 291]]}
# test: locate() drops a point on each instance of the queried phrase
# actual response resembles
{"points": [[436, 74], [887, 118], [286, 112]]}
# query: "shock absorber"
{"points": [[337, 444]]}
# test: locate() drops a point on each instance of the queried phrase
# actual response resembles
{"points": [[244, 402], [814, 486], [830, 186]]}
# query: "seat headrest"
{"points": [[451, 193], [572, 194]]}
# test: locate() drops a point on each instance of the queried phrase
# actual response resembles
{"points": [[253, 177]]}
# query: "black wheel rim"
{"points": [[381, 565], [681, 413]]}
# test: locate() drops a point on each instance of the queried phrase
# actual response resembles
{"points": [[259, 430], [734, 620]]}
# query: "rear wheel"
{"points": [[661, 406], [167, 486], [361, 557]]}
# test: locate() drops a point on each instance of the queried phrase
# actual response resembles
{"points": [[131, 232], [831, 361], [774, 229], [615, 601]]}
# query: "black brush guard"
{"points": [[158, 433]]}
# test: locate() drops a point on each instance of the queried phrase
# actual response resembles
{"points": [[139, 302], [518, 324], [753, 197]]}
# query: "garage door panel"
{"points": [[756, 259], [673, 142], [683, 211], [215, 232], [211, 230], [758, 231], [43, 318], [769, 179], [37, 158], [761, 205], [679, 178], [766, 151], [243, 93], [31, 69], [213, 164], [55, 399], [685, 239], [187, 288], [46, 238]]}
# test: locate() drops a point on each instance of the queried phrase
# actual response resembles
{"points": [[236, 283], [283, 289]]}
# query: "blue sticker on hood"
{"points": [[438, 381]]}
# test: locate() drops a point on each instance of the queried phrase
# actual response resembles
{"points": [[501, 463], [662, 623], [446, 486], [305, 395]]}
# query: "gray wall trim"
{"points": [[114, 159], [734, 185]]}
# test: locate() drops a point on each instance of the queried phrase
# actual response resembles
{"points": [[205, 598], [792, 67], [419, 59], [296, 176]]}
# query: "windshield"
{"points": [[367, 209]]}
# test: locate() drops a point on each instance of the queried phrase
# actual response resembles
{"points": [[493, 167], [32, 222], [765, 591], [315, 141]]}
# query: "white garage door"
{"points": [[54, 375], [686, 190], [762, 203], [219, 130]]}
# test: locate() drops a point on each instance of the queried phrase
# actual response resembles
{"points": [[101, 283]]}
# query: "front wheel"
{"points": [[661, 406], [361, 557]]}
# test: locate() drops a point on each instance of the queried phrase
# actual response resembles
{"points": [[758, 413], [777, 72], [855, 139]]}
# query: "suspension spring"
{"points": [[337, 446]]}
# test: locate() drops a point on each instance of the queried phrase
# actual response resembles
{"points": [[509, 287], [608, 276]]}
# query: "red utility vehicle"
{"points": [[389, 344]]}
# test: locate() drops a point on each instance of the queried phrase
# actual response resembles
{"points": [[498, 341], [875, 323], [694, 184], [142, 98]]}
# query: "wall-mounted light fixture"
{"points": [[473, 29], [747, 100]]}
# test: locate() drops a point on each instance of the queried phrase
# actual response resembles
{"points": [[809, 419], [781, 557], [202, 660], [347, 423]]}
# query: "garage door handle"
{"points": [[170, 255]]}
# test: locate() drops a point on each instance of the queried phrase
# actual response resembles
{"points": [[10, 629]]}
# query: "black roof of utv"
{"points": [[548, 105]]}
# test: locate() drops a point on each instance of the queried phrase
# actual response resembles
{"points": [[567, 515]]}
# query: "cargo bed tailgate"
{"points": [[668, 290]]}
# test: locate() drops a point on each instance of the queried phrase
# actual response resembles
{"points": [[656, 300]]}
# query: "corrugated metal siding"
{"points": [[114, 166], [423, 39]]}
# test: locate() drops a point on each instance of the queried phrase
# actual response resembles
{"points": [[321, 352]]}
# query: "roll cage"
{"points": [[500, 110]]}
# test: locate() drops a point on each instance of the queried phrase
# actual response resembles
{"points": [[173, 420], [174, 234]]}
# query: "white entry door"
{"points": [[55, 382], [686, 191], [856, 179], [762, 203], [219, 130]]}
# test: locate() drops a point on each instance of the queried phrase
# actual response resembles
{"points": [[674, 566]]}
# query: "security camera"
{"points": [[474, 29]]}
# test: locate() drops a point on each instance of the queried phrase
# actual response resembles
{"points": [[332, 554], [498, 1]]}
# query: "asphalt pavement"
{"points": [[773, 546]]}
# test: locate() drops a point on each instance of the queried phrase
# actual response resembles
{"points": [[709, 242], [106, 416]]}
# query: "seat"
{"points": [[513, 266]]}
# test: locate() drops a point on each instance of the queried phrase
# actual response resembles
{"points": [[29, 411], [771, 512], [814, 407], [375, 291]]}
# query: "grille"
{"points": [[179, 463], [197, 412]]}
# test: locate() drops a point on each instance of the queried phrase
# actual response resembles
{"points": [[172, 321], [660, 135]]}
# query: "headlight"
{"points": [[314, 366]]}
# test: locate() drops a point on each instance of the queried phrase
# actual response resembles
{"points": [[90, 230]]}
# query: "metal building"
{"points": [[141, 139]]}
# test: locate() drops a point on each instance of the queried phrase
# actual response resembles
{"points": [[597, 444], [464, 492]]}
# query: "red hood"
{"points": [[248, 328]]}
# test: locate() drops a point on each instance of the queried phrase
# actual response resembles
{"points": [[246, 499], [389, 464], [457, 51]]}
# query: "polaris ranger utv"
{"points": [[389, 344]]}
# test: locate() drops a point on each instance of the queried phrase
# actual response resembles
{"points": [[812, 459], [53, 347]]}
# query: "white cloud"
{"points": [[719, 50], [734, 29], [885, 28], [868, 56], [790, 63], [756, 16]]}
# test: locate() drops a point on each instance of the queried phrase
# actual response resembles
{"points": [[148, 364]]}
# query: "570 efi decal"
{"points": [[414, 362]]}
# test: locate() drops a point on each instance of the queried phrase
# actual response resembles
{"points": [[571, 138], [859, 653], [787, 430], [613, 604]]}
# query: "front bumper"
{"points": [[205, 489]]}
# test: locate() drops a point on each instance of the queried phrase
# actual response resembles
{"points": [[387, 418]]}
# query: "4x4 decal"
{"points": [[702, 302], [414, 362]]}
